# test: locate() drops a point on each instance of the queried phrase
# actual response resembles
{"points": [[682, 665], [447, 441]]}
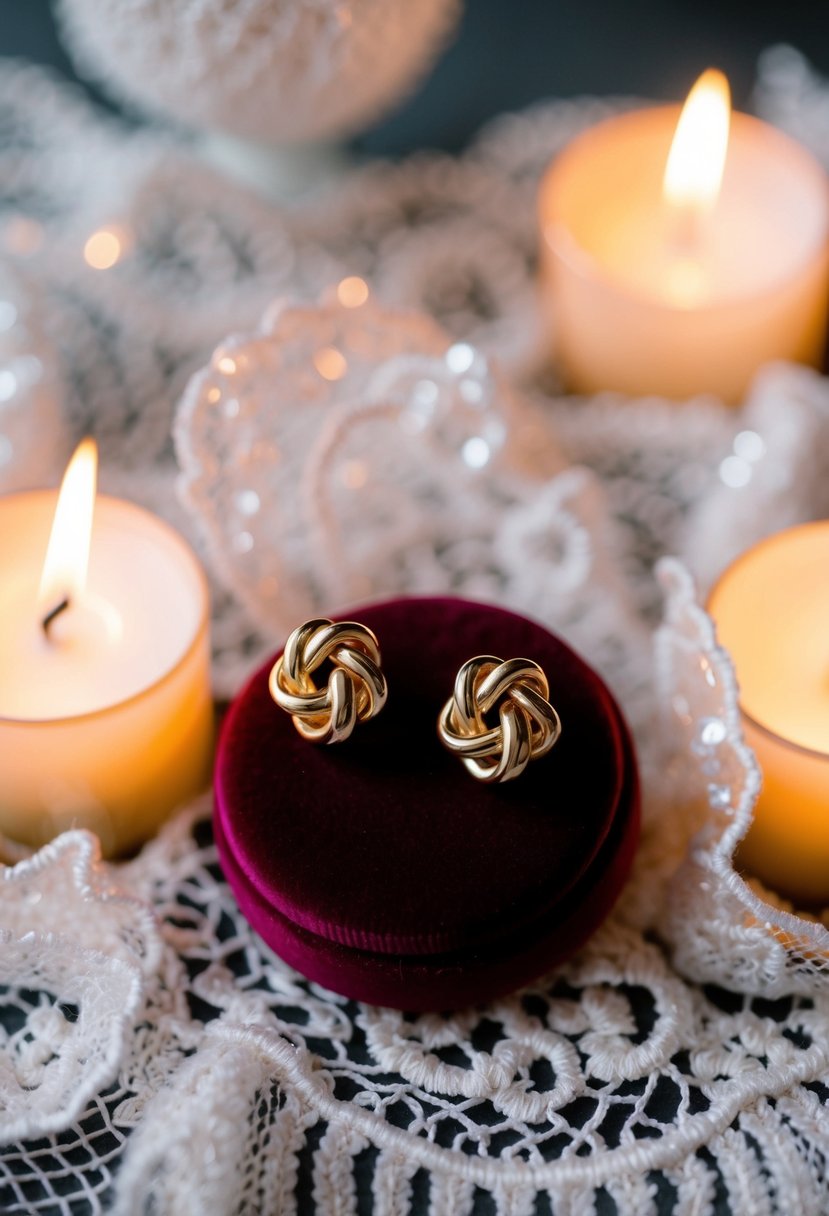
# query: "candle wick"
{"points": [[53, 614]]}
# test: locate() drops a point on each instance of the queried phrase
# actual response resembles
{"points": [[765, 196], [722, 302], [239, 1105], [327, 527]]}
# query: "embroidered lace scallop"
{"points": [[155, 1056]]}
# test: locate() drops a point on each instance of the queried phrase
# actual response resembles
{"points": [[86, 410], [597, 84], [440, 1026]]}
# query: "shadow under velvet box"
{"points": [[380, 869]]}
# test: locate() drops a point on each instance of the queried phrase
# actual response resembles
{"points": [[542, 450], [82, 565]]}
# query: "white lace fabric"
{"points": [[156, 1056]]}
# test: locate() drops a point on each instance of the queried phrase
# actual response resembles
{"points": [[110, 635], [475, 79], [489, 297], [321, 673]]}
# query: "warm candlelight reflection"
{"points": [[330, 363], [352, 292], [67, 556], [104, 249]]}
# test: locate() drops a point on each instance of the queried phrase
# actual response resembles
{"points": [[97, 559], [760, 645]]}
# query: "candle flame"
{"points": [[67, 556], [694, 171]]}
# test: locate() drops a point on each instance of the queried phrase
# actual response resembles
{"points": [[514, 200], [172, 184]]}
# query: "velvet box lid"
{"points": [[379, 868]]}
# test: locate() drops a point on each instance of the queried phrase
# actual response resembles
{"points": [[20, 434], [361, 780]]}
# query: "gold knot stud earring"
{"points": [[528, 725], [356, 688]]}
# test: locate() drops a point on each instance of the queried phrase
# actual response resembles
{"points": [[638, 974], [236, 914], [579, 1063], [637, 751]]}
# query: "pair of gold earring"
{"points": [[528, 725]]}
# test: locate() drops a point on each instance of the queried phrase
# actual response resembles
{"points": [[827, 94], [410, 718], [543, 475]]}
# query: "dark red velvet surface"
{"points": [[379, 863]]}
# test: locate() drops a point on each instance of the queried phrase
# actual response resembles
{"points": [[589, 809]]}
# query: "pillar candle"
{"points": [[771, 608], [105, 705], [677, 258]]}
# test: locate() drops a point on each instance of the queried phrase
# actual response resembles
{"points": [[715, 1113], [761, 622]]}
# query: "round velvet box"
{"points": [[379, 868]]}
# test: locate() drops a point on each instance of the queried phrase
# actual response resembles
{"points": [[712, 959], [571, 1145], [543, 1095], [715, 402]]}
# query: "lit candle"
{"points": [[105, 707], [677, 257], [771, 608]]}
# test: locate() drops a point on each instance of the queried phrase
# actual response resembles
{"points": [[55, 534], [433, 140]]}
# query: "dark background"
{"points": [[511, 52]]}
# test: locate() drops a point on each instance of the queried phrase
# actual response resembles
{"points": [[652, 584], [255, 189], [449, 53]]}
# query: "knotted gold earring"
{"points": [[528, 725], [356, 688]]}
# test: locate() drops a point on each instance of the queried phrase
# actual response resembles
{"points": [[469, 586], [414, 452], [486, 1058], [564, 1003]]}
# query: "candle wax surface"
{"points": [[775, 627], [762, 224], [645, 297], [138, 617]]}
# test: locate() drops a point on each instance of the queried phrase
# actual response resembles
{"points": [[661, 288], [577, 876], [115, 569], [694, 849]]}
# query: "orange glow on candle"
{"points": [[651, 225]]}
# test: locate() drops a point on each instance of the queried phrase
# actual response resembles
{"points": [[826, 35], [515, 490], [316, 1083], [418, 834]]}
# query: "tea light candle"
{"points": [[678, 258], [105, 707], [771, 608]]}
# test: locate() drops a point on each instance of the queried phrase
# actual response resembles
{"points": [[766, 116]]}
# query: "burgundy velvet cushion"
{"points": [[380, 868]]}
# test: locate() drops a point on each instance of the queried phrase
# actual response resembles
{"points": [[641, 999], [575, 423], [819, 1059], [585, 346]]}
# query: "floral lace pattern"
{"points": [[155, 1054], [245, 1088]]}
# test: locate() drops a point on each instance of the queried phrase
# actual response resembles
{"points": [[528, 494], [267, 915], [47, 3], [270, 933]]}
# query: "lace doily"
{"points": [[245, 1089], [155, 1055]]}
